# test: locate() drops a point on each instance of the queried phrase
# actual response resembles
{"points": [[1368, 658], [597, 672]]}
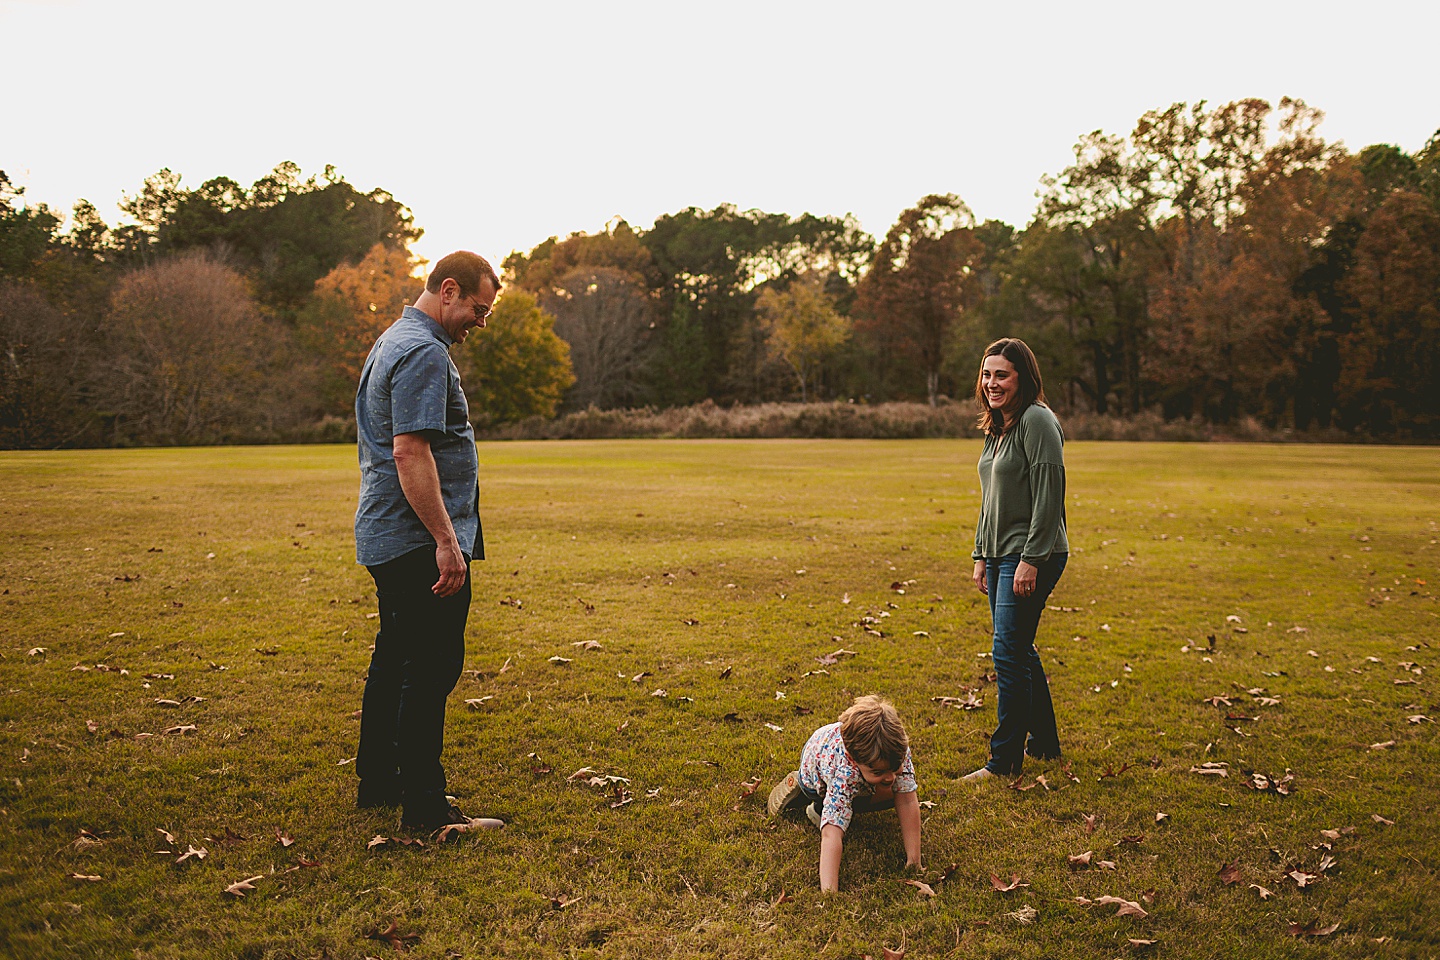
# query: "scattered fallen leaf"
{"points": [[1089, 820], [1025, 914], [1379, 819], [241, 887], [1301, 878], [1264, 894], [1161, 816], [1106, 864], [587, 644], [1126, 908], [1140, 944], [924, 888], [1080, 859], [774, 727], [1002, 887], [1312, 929], [1211, 768], [283, 838], [86, 839], [181, 729], [559, 660], [377, 841], [84, 876], [393, 936], [562, 901], [1231, 873], [1383, 745], [198, 853]]}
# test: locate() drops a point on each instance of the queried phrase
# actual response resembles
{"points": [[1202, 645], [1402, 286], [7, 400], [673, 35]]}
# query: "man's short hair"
{"points": [[873, 734], [466, 269]]}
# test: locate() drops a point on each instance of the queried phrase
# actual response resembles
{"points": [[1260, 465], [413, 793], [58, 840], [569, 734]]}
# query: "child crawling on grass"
{"points": [[859, 764]]}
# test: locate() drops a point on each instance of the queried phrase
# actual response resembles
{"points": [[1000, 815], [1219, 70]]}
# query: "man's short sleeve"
{"points": [[419, 388]]}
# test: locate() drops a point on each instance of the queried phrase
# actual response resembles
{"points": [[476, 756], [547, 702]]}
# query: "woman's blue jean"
{"points": [[1025, 710]]}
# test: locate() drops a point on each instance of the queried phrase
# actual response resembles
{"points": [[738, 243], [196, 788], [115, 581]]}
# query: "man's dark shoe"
{"points": [[433, 820]]}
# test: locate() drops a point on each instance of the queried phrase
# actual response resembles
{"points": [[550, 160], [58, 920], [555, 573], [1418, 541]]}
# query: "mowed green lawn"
{"points": [[713, 575]]}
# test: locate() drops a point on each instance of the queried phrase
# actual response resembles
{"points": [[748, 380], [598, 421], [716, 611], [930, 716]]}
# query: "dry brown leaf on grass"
{"points": [[562, 901], [1002, 887], [1379, 819], [1212, 769], [924, 888], [84, 876], [241, 887], [283, 838], [1080, 859], [1106, 864], [783, 898], [587, 644], [1089, 820], [887, 954], [1025, 914], [1264, 894], [1231, 873], [192, 852], [1383, 745], [86, 839], [1159, 817], [1313, 929], [1127, 908], [1302, 879], [393, 936], [1140, 944], [181, 729]]}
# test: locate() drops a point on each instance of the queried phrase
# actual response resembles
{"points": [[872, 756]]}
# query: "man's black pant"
{"points": [[419, 653]]}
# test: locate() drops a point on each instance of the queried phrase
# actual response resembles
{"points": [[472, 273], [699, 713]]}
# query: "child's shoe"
{"points": [[785, 793], [813, 813]]}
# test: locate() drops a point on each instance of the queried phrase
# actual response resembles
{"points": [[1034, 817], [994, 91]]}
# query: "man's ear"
{"points": [[449, 290]]}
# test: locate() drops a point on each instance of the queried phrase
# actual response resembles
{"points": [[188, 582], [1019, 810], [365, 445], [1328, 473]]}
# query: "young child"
{"points": [[861, 763]]}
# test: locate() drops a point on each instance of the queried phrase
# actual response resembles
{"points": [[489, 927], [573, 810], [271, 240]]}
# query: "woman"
{"points": [[1020, 547]]}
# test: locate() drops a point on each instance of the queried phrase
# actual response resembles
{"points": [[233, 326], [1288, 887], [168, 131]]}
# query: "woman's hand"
{"points": [[1024, 585], [979, 577]]}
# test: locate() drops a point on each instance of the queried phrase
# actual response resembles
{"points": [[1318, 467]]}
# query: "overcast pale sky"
{"points": [[500, 125]]}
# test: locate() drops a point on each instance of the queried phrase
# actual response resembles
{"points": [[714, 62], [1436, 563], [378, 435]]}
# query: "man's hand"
{"points": [[420, 481], [453, 570], [979, 577]]}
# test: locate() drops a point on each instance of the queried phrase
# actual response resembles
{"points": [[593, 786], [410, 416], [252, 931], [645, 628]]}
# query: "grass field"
{"points": [[713, 574]]}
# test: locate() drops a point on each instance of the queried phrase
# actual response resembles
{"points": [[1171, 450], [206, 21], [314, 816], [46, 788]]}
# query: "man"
{"points": [[416, 530]]}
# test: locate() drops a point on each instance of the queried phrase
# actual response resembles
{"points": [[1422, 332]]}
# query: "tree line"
{"points": [[1215, 264]]}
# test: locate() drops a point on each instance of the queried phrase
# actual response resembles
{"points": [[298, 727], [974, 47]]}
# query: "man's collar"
{"points": [[429, 322]]}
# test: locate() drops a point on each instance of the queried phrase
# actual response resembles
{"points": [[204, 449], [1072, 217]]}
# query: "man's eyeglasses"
{"points": [[481, 311]]}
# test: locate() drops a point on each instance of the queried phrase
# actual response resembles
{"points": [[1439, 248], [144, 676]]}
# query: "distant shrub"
{"points": [[881, 421]]}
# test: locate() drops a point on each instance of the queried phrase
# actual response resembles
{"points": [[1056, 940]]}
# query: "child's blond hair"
{"points": [[873, 734]]}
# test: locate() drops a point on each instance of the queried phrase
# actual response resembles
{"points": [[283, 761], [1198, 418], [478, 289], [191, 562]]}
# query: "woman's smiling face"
{"points": [[1001, 383]]}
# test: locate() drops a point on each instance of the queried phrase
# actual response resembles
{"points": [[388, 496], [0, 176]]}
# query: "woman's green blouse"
{"points": [[1022, 490]]}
